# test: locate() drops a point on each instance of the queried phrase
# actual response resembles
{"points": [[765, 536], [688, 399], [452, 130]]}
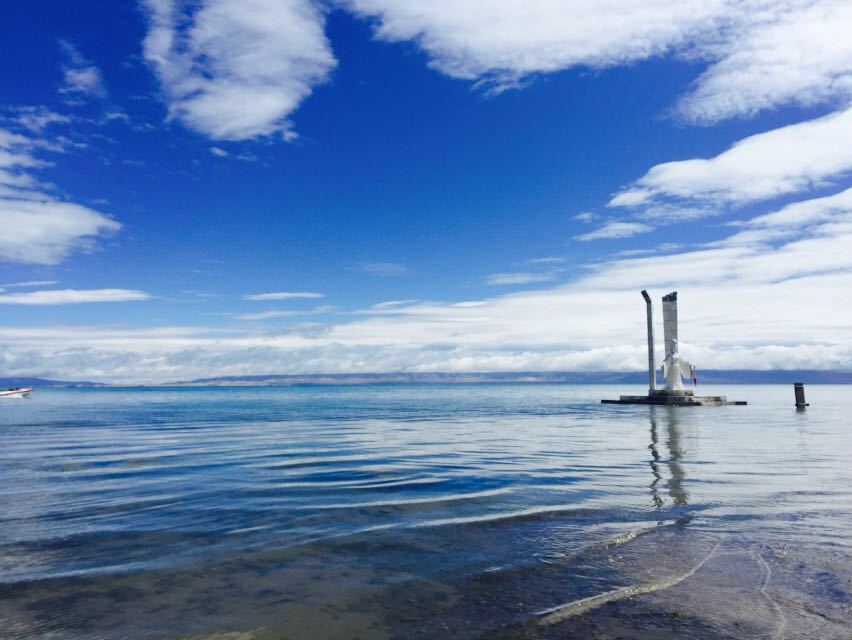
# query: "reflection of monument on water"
{"points": [[673, 445], [674, 368]]}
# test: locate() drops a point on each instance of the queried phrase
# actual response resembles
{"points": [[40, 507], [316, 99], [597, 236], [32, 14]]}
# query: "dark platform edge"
{"points": [[679, 400]]}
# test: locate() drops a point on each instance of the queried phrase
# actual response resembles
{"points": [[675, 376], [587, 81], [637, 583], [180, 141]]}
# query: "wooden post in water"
{"points": [[799, 389]]}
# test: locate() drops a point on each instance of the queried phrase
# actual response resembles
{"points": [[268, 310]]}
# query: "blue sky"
{"points": [[274, 186]]}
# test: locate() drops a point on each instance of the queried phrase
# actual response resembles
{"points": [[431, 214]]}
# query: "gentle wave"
{"points": [[471, 482]]}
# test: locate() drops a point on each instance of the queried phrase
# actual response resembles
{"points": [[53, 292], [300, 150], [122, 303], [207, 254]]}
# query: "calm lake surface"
{"points": [[423, 512]]}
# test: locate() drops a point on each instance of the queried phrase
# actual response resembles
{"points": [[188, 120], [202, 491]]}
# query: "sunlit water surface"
{"points": [[420, 511]]}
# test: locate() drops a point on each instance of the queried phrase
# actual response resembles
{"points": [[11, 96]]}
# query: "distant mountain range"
{"points": [[6, 383], [709, 376]]}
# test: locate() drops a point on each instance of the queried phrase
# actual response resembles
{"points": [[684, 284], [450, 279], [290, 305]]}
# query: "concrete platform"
{"points": [[677, 399]]}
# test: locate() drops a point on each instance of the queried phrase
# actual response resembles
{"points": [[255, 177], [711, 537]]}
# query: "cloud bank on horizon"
{"points": [[770, 293], [592, 323]]}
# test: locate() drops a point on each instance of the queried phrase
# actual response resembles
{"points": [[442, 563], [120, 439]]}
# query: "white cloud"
{"points": [[27, 284], [380, 268], [284, 295], [237, 69], [784, 52], [812, 216], [505, 40], [47, 231], [284, 313], [390, 304], [769, 304], [615, 229], [760, 54], [267, 315], [552, 260], [80, 76], [15, 155], [754, 48], [36, 119], [803, 215], [585, 216], [218, 151], [117, 116], [782, 161], [518, 278], [72, 296], [37, 228]]}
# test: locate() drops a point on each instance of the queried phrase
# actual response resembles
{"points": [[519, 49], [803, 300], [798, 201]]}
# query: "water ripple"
{"points": [[487, 478]]}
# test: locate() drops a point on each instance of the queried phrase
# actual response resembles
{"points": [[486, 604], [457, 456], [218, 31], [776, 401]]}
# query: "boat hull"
{"points": [[16, 393]]}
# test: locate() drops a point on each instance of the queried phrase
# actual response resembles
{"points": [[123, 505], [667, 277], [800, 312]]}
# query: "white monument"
{"points": [[673, 393], [674, 368]]}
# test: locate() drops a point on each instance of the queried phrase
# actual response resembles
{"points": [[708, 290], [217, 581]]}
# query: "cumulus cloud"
{"points": [[38, 228], [503, 41], [615, 229], [760, 54], [72, 296], [237, 69], [47, 231], [778, 162], [283, 295]]}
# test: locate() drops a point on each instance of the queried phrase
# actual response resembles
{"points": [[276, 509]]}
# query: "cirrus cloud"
{"points": [[523, 277], [380, 268], [37, 227], [80, 76], [283, 295], [782, 161], [782, 53], [615, 229], [73, 296]]}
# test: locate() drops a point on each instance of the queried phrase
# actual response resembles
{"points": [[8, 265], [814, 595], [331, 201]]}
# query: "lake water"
{"points": [[424, 512]]}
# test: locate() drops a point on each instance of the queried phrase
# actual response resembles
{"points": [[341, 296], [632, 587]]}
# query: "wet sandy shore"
{"points": [[660, 582]]}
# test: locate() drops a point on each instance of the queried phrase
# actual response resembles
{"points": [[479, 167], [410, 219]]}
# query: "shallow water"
{"points": [[423, 511]]}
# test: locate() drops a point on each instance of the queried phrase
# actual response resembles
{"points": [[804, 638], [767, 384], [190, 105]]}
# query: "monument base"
{"points": [[676, 399]]}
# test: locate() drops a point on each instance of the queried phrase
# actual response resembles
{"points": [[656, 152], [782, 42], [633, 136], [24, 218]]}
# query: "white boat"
{"points": [[19, 392]]}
